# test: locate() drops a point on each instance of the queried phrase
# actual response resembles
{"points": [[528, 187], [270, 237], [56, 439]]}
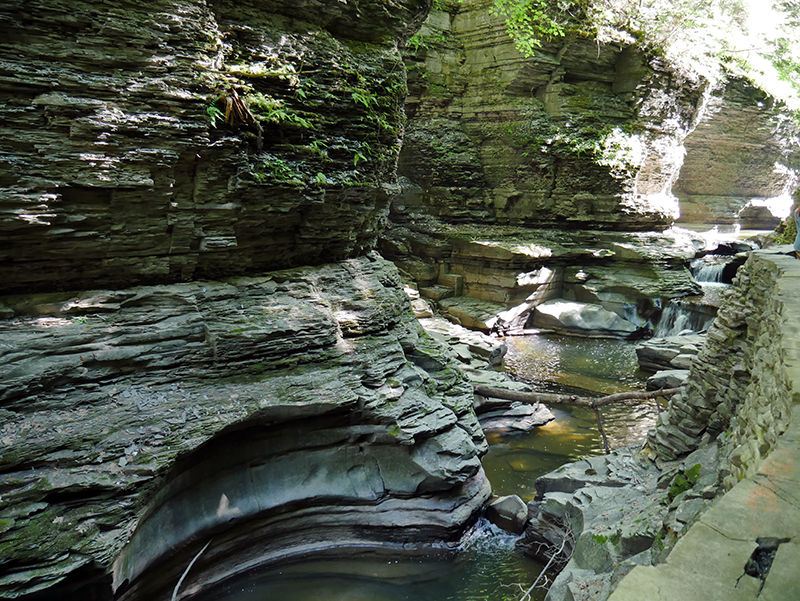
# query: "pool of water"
{"points": [[489, 567], [582, 366]]}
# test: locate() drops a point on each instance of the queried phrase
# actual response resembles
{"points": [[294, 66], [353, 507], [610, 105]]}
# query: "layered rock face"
{"points": [[579, 135], [744, 148], [475, 273], [139, 420], [118, 165], [256, 417]]}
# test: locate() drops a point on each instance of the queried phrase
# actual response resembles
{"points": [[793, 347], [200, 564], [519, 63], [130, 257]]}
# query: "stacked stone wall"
{"points": [[738, 389]]}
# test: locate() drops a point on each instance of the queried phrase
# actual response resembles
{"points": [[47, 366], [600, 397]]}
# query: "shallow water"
{"points": [[489, 567], [582, 366]]}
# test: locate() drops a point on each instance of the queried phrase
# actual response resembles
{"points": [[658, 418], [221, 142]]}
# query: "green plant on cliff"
{"points": [[683, 481], [532, 22], [269, 110], [754, 38]]}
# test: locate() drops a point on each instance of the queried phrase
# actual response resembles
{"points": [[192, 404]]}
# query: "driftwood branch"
{"points": [[186, 571], [563, 399], [576, 401], [568, 536]]}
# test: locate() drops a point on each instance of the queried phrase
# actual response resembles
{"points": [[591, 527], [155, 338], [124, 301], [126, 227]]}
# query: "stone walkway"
{"points": [[728, 554]]}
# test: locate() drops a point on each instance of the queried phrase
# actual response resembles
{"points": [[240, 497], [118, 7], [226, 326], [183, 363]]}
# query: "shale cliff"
{"points": [[290, 405], [296, 178], [579, 135]]}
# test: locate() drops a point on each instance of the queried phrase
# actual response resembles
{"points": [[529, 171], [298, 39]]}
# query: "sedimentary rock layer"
{"points": [[123, 159], [738, 383], [578, 134], [517, 268], [744, 147], [137, 422]]}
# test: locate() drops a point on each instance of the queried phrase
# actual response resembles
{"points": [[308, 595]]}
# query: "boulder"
{"points": [[673, 352], [566, 317], [668, 378], [509, 513], [514, 416]]}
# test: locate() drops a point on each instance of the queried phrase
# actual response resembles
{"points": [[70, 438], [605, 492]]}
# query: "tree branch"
{"points": [[563, 399]]}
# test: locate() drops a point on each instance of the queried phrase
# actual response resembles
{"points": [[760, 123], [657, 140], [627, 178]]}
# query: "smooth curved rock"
{"points": [[138, 422], [568, 317]]}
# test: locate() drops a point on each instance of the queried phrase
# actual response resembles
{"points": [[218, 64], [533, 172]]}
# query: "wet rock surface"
{"points": [[609, 514], [139, 420], [476, 354], [503, 273]]}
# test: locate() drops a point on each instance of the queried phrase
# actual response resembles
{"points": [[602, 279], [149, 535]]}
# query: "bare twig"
{"points": [[543, 574], [186, 571]]}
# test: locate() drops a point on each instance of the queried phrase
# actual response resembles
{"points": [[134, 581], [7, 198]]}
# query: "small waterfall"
{"points": [[709, 268], [682, 316]]}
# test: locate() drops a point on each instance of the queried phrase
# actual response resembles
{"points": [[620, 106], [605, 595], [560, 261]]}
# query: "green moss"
{"points": [[683, 481], [602, 539], [693, 474]]}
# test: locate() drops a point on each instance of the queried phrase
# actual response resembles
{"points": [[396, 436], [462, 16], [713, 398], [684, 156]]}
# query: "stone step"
{"points": [[455, 281], [437, 292]]}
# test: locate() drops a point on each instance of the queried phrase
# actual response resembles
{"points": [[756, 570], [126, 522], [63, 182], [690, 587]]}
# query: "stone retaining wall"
{"points": [[738, 387]]}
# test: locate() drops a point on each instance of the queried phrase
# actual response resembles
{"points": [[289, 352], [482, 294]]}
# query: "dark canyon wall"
{"points": [[112, 171]]}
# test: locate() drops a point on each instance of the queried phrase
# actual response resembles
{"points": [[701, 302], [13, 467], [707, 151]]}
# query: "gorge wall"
{"points": [[743, 150], [149, 411], [579, 135], [298, 177]]}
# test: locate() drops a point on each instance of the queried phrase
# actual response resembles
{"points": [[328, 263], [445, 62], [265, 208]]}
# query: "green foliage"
{"points": [[786, 232], [693, 474], [426, 40], [365, 97], [683, 481], [756, 39], [531, 22], [270, 110], [602, 539], [213, 114], [360, 153], [277, 170]]}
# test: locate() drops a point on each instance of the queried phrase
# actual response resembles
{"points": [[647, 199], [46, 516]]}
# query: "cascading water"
{"points": [[681, 317], [710, 268]]}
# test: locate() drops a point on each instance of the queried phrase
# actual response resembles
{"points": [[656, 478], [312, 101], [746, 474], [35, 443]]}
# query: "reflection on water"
{"points": [[587, 367], [489, 568], [551, 363]]}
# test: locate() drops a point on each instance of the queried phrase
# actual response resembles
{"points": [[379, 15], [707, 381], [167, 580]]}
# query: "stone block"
{"points": [[668, 378], [454, 281], [436, 292]]}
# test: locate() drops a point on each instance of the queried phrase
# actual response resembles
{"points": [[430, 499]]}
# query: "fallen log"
{"points": [[563, 399], [576, 401]]}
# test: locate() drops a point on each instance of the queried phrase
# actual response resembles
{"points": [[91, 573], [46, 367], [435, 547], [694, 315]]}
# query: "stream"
{"points": [[488, 567]]}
